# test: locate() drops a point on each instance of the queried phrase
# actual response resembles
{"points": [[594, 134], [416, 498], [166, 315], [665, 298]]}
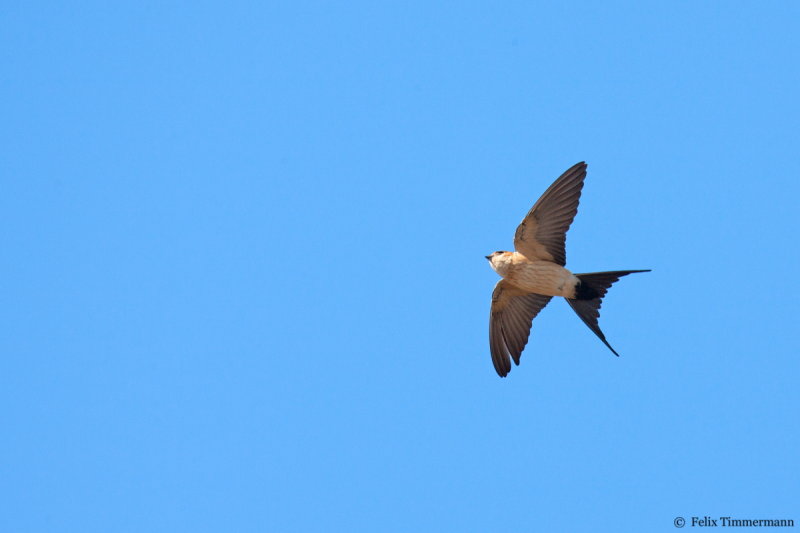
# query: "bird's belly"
{"points": [[543, 277]]}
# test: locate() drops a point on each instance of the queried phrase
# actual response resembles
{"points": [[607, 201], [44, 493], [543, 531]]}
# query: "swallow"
{"points": [[535, 273]]}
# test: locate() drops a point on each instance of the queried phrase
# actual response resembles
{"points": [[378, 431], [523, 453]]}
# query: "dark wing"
{"points": [[543, 232], [510, 321]]}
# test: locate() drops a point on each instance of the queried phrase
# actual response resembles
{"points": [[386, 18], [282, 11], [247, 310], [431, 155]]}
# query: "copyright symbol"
{"points": [[679, 522]]}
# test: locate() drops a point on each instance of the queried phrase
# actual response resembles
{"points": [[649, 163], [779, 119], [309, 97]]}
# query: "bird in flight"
{"points": [[535, 272]]}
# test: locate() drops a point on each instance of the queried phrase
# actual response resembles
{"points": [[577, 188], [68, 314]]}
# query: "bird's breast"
{"points": [[543, 277]]}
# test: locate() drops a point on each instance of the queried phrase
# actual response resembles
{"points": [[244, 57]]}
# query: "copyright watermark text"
{"points": [[727, 521]]}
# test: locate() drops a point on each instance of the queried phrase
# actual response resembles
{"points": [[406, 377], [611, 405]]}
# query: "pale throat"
{"points": [[501, 264]]}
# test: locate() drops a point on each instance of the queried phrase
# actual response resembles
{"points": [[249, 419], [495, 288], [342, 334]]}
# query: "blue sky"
{"points": [[244, 285]]}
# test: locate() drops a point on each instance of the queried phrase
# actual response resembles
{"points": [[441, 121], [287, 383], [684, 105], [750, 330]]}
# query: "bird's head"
{"points": [[500, 261]]}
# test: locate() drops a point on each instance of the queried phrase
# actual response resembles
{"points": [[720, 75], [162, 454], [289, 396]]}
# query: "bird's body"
{"points": [[536, 272], [541, 277]]}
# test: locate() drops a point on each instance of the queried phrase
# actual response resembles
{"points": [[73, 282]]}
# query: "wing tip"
{"points": [[578, 168]]}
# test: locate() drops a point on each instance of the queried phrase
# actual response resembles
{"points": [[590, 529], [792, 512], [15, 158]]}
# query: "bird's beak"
{"points": [[489, 257]]}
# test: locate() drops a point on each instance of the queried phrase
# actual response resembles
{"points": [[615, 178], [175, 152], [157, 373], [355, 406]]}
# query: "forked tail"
{"points": [[589, 297]]}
